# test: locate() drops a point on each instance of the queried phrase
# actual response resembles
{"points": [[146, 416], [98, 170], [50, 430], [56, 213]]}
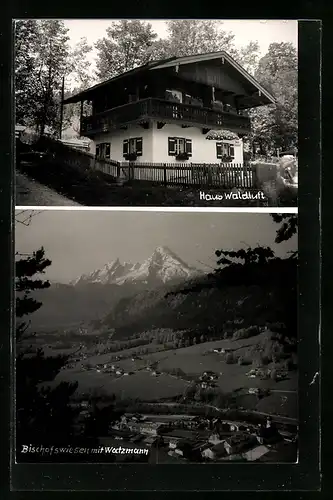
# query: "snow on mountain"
{"points": [[107, 274], [162, 266]]}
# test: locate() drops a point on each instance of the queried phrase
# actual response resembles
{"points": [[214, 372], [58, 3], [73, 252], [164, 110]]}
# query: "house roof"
{"points": [[176, 61]]}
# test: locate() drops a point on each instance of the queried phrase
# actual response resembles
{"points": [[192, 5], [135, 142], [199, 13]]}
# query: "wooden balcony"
{"points": [[165, 112]]}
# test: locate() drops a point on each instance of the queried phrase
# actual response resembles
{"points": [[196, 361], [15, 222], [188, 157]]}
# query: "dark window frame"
{"points": [[130, 146], [230, 149], [187, 146], [100, 153]]}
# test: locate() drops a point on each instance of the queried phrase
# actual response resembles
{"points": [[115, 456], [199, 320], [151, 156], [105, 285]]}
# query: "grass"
{"points": [[141, 385], [281, 404], [193, 360]]}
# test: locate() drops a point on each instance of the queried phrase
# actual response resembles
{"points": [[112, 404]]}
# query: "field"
{"points": [[193, 361], [140, 385]]}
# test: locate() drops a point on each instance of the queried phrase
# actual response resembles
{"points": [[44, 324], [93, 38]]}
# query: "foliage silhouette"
{"points": [[43, 414]]}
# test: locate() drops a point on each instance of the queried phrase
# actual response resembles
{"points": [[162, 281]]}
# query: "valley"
{"points": [[162, 338]]}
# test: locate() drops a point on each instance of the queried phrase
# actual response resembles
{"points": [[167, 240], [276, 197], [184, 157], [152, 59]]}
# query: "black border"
{"points": [[303, 476]]}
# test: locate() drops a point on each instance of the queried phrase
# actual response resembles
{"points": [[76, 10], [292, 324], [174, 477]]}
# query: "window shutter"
{"points": [[125, 147], [107, 150], [188, 147], [225, 149], [97, 151], [219, 150], [139, 146], [172, 146], [232, 151]]}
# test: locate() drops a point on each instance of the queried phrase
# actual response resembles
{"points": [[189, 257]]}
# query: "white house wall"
{"points": [[117, 137], [155, 144], [203, 150]]}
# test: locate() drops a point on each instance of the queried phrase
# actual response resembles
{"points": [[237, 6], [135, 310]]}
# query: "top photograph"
{"points": [[155, 113]]}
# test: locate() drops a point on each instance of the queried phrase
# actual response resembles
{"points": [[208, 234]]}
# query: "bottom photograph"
{"points": [[155, 337]]}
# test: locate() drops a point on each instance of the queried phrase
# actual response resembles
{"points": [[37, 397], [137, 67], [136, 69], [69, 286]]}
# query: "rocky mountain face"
{"points": [[92, 295], [161, 267]]}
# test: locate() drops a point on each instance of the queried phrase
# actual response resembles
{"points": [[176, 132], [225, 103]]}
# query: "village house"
{"points": [[254, 390], [173, 444], [208, 376], [255, 453], [222, 350], [215, 439], [237, 444], [163, 112], [81, 145], [214, 452], [149, 428]]}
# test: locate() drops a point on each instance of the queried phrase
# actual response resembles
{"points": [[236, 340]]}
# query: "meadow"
{"points": [[192, 361]]}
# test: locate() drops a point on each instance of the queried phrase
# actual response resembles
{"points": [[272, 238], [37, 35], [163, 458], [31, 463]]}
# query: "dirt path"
{"points": [[30, 192]]}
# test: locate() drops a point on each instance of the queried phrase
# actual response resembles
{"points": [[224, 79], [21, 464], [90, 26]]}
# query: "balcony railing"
{"points": [[164, 111]]}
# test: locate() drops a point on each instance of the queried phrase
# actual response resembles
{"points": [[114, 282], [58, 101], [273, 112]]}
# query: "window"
{"points": [[103, 150], [179, 145], [132, 146], [224, 149]]}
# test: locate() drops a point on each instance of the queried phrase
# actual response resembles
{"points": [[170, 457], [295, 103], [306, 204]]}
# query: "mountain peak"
{"points": [[163, 249], [162, 266]]}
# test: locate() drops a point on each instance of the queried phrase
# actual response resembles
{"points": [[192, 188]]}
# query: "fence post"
{"points": [[164, 174], [130, 171], [209, 173]]}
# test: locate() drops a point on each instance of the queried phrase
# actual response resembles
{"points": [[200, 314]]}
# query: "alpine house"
{"points": [[162, 112]]}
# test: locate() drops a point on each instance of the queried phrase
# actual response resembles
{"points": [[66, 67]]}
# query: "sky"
{"points": [[78, 242], [245, 31]]}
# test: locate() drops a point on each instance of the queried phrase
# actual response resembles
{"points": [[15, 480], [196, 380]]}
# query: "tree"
{"points": [[259, 267], [42, 58], [52, 62], [26, 38], [44, 53], [288, 228], [190, 391], [229, 359], [196, 36], [80, 66], [275, 126], [125, 47], [133, 43], [43, 414], [79, 71], [248, 57]]}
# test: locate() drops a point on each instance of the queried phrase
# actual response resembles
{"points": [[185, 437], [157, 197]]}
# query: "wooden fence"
{"points": [[222, 175], [74, 157], [219, 175]]}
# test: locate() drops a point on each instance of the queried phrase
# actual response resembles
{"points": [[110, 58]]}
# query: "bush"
{"points": [[230, 359], [277, 327], [245, 333], [243, 361]]}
